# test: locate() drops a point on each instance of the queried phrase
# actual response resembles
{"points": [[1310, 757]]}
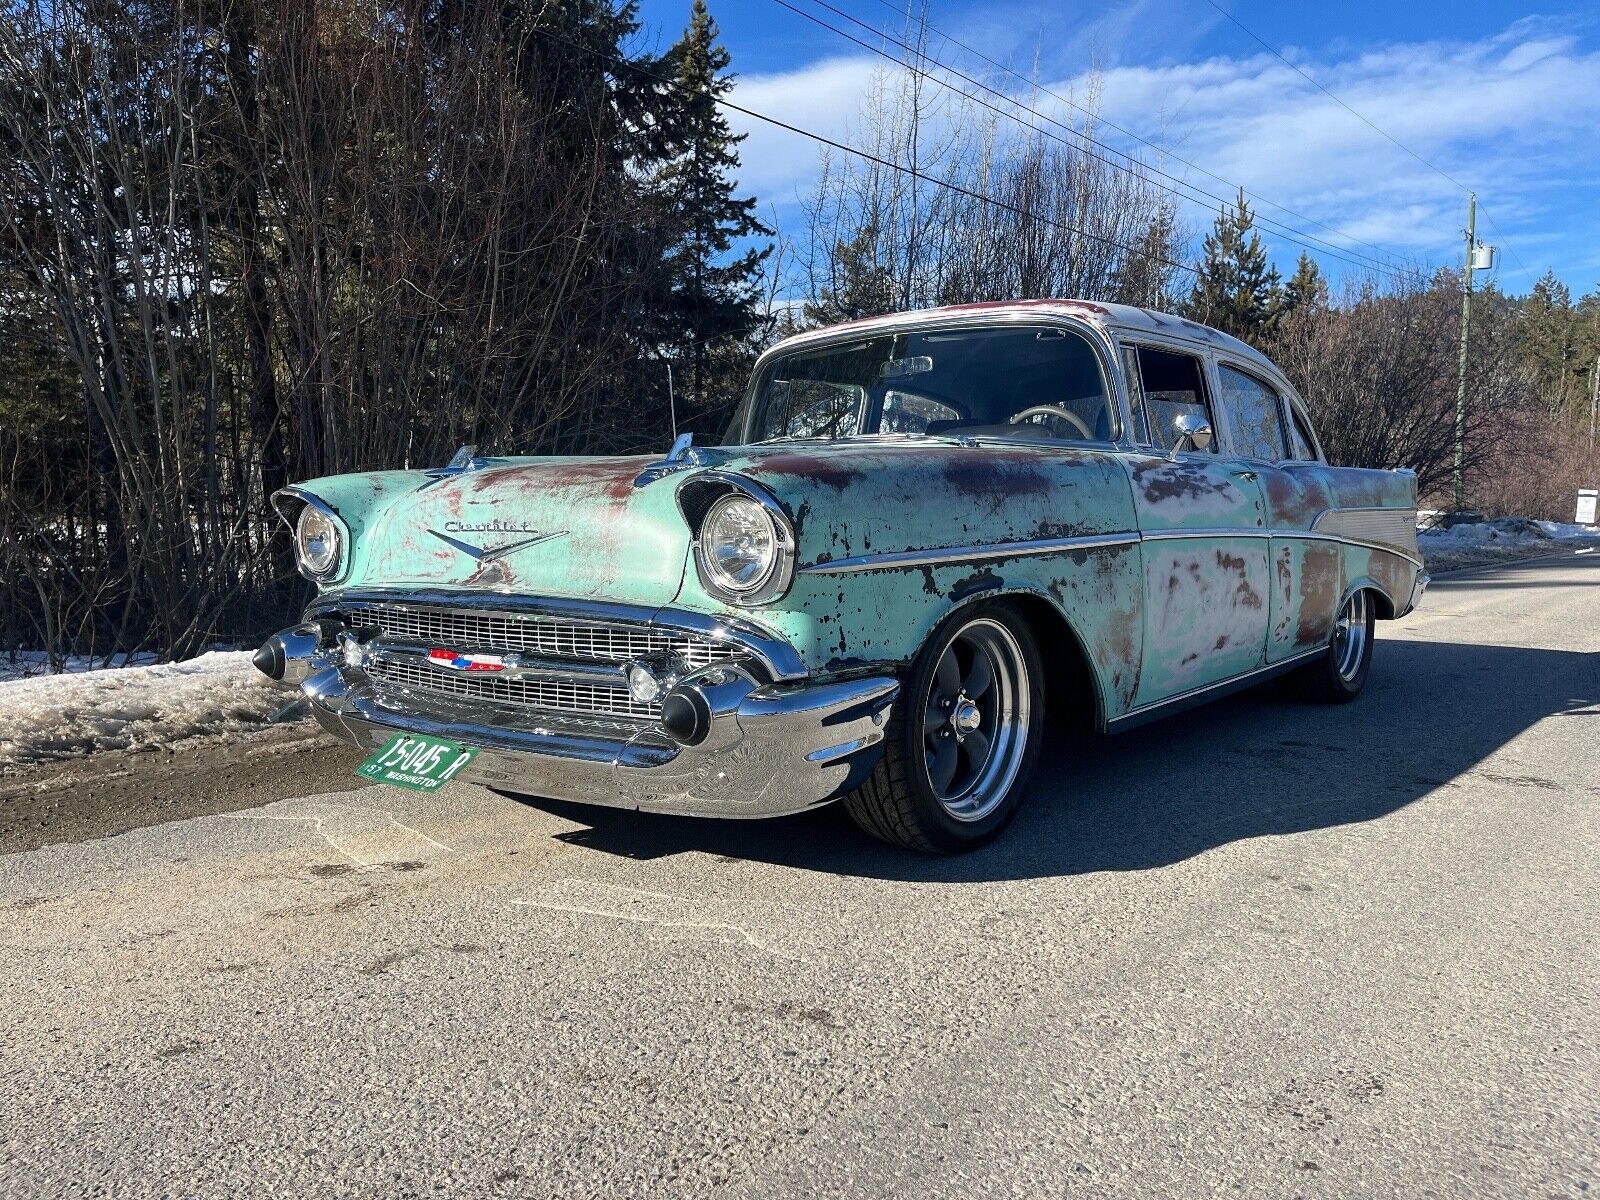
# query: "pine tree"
{"points": [[1306, 287], [711, 299], [1549, 342], [861, 287], [1236, 289]]}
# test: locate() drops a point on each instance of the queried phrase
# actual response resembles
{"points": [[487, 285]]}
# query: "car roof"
{"points": [[1107, 316]]}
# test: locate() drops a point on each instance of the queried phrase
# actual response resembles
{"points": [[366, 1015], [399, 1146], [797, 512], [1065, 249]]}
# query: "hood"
{"points": [[573, 527]]}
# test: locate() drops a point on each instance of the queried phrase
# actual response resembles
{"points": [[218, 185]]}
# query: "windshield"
{"points": [[1029, 382]]}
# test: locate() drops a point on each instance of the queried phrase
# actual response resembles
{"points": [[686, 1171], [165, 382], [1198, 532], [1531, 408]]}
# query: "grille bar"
{"points": [[546, 637], [543, 695]]}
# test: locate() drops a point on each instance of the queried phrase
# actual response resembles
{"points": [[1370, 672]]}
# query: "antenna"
{"points": [[672, 404]]}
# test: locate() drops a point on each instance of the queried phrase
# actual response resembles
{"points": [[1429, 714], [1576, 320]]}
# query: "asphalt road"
{"points": [[1262, 948]]}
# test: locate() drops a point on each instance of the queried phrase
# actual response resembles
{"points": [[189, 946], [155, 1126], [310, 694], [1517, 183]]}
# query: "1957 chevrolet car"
{"points": [[923, 531]]}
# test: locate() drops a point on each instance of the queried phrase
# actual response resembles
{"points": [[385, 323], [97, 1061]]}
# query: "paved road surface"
{"points": [[1263, 948]]}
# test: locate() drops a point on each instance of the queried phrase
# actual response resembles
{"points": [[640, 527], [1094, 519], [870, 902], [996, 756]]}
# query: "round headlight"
{"points": [[316, 537], [739, 544]]}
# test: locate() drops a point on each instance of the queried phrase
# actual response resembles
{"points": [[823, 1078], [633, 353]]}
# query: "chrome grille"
{"points": [[546, 637], [546, 695]]}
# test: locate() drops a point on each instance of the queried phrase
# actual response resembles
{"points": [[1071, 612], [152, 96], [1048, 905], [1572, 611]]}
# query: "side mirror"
{"points": [[1194, 432]]}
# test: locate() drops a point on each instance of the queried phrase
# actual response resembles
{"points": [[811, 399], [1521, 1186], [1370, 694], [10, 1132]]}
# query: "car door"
{"points": [[1202, 524], [1307, 572]]}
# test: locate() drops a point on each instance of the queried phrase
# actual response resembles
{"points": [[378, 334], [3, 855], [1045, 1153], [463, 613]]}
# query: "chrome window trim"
{"points": [[771, 651]]}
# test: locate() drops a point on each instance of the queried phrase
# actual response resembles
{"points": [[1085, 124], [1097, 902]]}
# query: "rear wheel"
{"points": [[964, 739], [1338, 676]]}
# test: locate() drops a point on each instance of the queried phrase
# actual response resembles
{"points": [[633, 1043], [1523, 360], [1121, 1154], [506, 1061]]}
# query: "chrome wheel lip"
{"points": [[1005, 716], [1350, 637]]}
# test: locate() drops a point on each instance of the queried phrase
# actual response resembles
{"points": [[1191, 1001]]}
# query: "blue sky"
{"points": [[1504, 98]]}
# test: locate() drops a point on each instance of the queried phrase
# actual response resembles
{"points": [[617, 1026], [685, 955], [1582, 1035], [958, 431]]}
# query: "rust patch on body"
{"points": [[1176, 481], [1319, 595]]}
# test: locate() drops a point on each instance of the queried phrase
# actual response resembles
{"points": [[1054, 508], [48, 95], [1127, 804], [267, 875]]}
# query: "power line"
{"points": [[1159, 149], [632, 65], [1288, 233], [1328, 92]]}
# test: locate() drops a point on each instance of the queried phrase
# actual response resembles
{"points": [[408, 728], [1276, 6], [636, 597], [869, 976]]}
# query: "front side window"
{"points": [[1174, 386], [1255, 414], [1009, 382]]}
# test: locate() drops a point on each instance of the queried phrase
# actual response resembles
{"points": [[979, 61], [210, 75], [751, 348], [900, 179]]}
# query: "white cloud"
{"points": [[1512, 115]]}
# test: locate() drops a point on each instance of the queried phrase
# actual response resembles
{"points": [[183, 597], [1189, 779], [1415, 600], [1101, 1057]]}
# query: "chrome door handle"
{"points": [[1248, 476]]}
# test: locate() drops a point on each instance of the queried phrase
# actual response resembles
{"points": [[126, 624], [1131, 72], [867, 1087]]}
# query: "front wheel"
{"points": [[1338, 675], [964, 739]]}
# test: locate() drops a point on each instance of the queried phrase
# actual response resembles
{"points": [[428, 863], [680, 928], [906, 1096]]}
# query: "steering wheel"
{"points": [[1053, 410]]}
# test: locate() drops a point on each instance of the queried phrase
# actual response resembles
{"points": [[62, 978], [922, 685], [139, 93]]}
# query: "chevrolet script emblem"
{"points": [[484, 554]]}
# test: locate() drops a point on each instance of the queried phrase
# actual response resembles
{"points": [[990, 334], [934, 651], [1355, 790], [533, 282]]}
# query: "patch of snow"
{"points": [[1564, 529], [141, 707]]}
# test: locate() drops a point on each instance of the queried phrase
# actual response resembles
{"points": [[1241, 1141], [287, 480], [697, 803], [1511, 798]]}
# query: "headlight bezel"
{"points": [[294, 506], [775, 579]]}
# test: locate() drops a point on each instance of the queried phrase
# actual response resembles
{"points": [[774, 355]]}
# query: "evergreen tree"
{"points": [[711, 297], [1306, 287], [1549, 343], [861, 287], [1236, 289]]}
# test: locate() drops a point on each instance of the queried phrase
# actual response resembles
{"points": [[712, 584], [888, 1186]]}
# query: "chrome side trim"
{"points": [[1319, 536], [772, 652], [1178, 535], [958, 554]]}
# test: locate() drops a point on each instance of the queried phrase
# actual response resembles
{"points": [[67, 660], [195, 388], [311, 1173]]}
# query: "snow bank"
{"points": [[1503, 531], [59, 716], [1501, 539]]}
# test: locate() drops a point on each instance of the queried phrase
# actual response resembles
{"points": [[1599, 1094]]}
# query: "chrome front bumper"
{"points": [[771, 749]]}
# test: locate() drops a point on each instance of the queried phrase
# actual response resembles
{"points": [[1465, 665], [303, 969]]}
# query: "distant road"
{"points": [[1261, 949]]}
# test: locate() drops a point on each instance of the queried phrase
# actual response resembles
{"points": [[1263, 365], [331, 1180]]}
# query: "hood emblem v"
{"points": [[484, 554]]}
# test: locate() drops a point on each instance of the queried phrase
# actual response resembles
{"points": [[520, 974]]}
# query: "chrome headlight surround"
{"points": [[737, 499], [321, 541]]}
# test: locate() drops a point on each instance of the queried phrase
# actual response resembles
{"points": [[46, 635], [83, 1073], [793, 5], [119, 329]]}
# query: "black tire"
{"points": [[900, 803], [1338, 675]]}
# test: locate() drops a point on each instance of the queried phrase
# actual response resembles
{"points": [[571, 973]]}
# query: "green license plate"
{"points": [[410, 760]]}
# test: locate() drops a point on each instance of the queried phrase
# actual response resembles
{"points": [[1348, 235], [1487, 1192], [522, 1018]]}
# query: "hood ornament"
{"points": [[681, 457], [461, 462]]}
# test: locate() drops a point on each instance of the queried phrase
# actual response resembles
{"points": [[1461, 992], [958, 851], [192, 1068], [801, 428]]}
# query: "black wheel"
{"points": [[1338, 676], [963, 740]]}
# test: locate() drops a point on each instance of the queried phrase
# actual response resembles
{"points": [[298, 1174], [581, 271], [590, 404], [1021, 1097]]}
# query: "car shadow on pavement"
{"points": [[1254, 765]]}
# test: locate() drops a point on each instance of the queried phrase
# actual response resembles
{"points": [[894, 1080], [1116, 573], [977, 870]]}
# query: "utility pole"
{"points": [[1461, 359], [1594, 399]]}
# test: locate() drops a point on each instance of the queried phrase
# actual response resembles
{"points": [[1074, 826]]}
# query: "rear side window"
{"points": [[1301, 443], [1255, 414], [1174, 386]]}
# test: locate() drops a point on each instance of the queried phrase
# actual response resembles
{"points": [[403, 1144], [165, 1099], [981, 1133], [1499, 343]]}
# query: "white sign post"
{"points": [[1586, 506]]}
